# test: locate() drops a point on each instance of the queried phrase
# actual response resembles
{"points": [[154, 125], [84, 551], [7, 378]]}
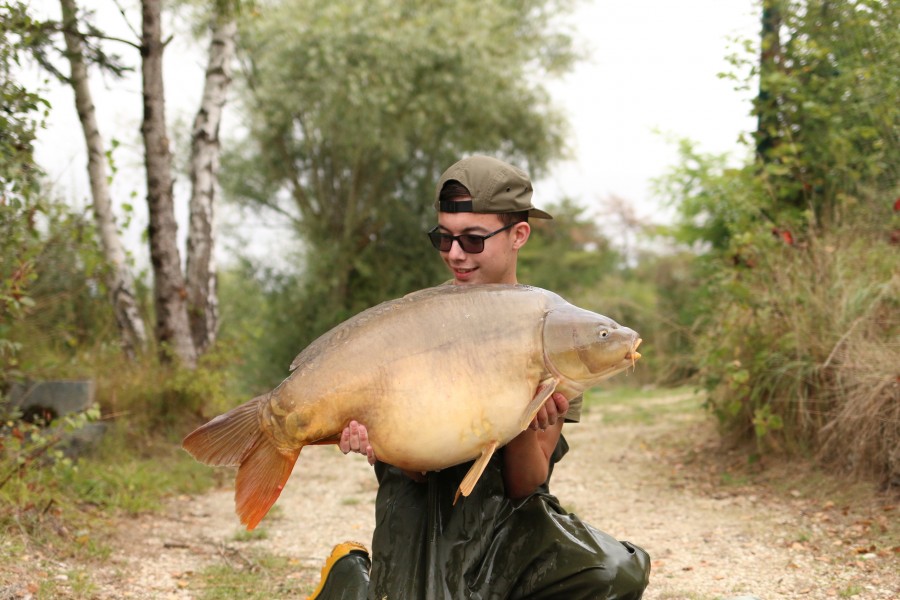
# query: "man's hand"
{"points": [[553, 410], [355, 438], [526, 458]]}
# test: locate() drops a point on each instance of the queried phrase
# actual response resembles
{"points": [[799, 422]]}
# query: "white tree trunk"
{"points": [[172, 326], [203, 305], [118, 279]]}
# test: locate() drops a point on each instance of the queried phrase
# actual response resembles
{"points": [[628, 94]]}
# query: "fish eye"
{"points": [[604, 333]]}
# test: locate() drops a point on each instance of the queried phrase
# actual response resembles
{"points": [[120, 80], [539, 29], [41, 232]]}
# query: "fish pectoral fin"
{"points": [[547, 387], [474, 474]]}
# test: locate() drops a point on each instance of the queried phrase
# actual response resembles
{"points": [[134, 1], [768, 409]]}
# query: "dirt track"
{"points": [[632, 477]]}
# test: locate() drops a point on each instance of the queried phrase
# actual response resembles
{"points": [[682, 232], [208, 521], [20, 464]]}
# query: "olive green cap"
{"points": [[495, 187]]}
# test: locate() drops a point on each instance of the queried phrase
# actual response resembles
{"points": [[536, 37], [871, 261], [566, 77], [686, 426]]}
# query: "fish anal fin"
{"points": [[225, 440], [260, 479], [546, 387], [474, 474]]}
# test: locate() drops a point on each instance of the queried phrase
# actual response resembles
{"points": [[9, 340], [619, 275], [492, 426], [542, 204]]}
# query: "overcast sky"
{"points": [[651, 67]]}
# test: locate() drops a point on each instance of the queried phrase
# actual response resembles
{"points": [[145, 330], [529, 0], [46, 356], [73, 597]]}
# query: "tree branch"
{"points": [[125, 18]]}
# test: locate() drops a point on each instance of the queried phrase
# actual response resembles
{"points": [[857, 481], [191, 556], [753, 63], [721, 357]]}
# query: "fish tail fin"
{"points": [[260, 479], [235, 439], [226, 440]]}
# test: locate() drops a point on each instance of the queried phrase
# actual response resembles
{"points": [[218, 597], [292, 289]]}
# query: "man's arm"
{"points": [[526, 458]]}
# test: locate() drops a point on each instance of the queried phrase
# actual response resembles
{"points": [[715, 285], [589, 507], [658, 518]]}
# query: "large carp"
{"points": [[439, 377]]}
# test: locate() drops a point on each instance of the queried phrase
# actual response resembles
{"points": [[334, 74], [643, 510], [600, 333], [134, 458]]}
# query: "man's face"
{"points": [[497, 263]]}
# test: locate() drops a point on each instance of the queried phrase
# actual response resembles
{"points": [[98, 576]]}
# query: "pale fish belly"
{"points": [[439, 430]]}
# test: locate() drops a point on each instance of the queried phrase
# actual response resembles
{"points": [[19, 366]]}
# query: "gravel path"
{"points": [[639, 482]]}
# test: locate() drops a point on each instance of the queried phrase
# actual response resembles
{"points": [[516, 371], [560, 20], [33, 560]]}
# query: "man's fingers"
{"points": [[562, 403], [540, 419], [552, 415], [345, 441], [354, 436]]}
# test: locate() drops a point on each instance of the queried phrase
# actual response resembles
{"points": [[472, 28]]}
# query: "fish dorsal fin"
{"points": [[547, 387], [474, 474]]}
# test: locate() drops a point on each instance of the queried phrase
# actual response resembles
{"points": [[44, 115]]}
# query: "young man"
{"points": [[510, 538]]}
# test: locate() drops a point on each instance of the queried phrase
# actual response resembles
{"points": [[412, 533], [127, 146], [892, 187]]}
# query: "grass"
{"points": [[73, 584], [64, 510], [850, 591], [253, 575], [643, 406], [250, 536]]}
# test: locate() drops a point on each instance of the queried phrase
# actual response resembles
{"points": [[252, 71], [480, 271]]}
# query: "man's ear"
{"points": [[521, 233]]}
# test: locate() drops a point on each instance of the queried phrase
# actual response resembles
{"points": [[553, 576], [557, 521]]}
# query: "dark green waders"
{"points": [[487, 547]]}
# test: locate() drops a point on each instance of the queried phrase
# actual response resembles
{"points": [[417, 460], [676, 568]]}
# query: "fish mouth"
{"points": [[633, 354]]}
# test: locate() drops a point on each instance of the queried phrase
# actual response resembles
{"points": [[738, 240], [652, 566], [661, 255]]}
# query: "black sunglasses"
{"points": [[469, 242]]}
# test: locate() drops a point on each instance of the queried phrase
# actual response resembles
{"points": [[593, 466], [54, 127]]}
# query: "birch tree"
{"points": [[204, 168], [170, 293], [119, 280]]}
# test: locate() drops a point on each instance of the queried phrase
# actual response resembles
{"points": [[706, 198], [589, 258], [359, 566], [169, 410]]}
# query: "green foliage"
{"points": [[664, 310], [22, 115], [66, 330], [777, 322], [32, 463], [827, 106], [715, 202], [568, 254], [65, 504], [260, 316], [347, 140], [69, 308], [23, 110], [116, 477], [796, 317]]}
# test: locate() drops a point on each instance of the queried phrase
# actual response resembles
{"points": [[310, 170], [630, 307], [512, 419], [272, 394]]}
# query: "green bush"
{"points": [[800, 350], [796, 336]]}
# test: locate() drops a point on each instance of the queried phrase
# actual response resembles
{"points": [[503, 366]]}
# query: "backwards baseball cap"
{"points": [[495, 187]]}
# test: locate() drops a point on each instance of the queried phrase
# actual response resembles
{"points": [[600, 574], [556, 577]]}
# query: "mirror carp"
{"points": [[439, 377]]}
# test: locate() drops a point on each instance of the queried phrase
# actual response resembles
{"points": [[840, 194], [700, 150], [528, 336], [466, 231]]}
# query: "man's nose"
{"points": [[456, 251]]}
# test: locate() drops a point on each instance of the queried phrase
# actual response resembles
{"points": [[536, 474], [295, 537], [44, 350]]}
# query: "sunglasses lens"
{"points": [[440, 241], [471, 244]]}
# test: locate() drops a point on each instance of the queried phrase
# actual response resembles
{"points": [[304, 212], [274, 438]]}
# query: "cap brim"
{"points": [[536, 213]]}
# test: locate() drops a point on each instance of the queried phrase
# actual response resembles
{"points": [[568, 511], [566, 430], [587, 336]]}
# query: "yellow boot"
{"points": [[345, 575]]}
